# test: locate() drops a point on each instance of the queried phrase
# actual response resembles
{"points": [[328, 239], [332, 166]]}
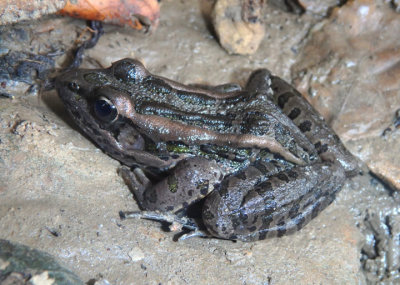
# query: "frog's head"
{"points": [[99, 103]]}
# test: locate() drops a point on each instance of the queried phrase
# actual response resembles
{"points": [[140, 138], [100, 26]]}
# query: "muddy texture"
{"points": [[351, 76], [59, 193]]}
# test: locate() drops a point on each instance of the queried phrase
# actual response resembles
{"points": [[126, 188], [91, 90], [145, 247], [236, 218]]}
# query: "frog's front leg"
{"points": [[188, 182], [245, 209]]}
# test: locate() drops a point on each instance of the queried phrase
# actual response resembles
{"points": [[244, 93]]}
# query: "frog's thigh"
{"points": [[282, 204], [189, 181]]}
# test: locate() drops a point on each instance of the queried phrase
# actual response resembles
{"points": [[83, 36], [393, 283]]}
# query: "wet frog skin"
{"points": [[261, 159]]}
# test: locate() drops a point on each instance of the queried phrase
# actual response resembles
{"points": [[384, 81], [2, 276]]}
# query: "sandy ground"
{"points": [[59, 193]]}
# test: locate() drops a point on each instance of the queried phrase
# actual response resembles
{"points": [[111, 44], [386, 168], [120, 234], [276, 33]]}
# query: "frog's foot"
{"points": [[187, 227], [176, 223]]}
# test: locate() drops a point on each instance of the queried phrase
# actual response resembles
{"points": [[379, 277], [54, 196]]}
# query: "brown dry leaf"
{"points": [[134, 13]]}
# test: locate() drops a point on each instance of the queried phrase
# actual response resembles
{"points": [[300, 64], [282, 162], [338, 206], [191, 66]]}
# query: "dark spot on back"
{"points": [[266, 221], [203, 186], [305, 126], [294, 113], [261, 167], [281, 231], [282, 177], [282, 99], [281, 221], [243, 217], [292, 174], [169, 208], [235, 221], [252, 229], [324, 148], [321, 148], [269, 209], [263, 187], [262, 235], [241, 175], [294, 210], [277, 156]]}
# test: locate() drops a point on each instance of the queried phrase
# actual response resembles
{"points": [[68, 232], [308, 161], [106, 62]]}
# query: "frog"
{"points": [[255, 162]]}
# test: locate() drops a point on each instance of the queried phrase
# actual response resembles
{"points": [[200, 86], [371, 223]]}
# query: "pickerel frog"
{"points": [[260, 161]]}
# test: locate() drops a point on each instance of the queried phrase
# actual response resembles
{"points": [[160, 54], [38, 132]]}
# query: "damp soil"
{"points": [[60, 194]]}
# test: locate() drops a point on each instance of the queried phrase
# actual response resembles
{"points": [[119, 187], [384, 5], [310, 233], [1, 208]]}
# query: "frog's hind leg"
{"points": [[279, 205]]}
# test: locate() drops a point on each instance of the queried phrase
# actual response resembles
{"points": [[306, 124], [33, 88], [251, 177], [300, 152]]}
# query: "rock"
{"points": [[319, 7], [20, 264], [239, 25]]}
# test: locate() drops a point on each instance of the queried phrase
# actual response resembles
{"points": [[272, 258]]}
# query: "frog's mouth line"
{"points": [[123, 145]]}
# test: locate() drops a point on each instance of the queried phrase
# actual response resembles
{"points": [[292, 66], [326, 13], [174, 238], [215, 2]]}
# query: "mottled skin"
{"points": [[262, 158]]}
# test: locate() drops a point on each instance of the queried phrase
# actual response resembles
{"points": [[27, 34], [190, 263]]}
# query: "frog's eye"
{"points": [[73, 86], [105, 110]]}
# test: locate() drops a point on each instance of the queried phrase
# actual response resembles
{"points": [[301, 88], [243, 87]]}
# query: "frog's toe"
{"points": [[136, 180], [147, 215], [176, 222], [195, 233]]}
